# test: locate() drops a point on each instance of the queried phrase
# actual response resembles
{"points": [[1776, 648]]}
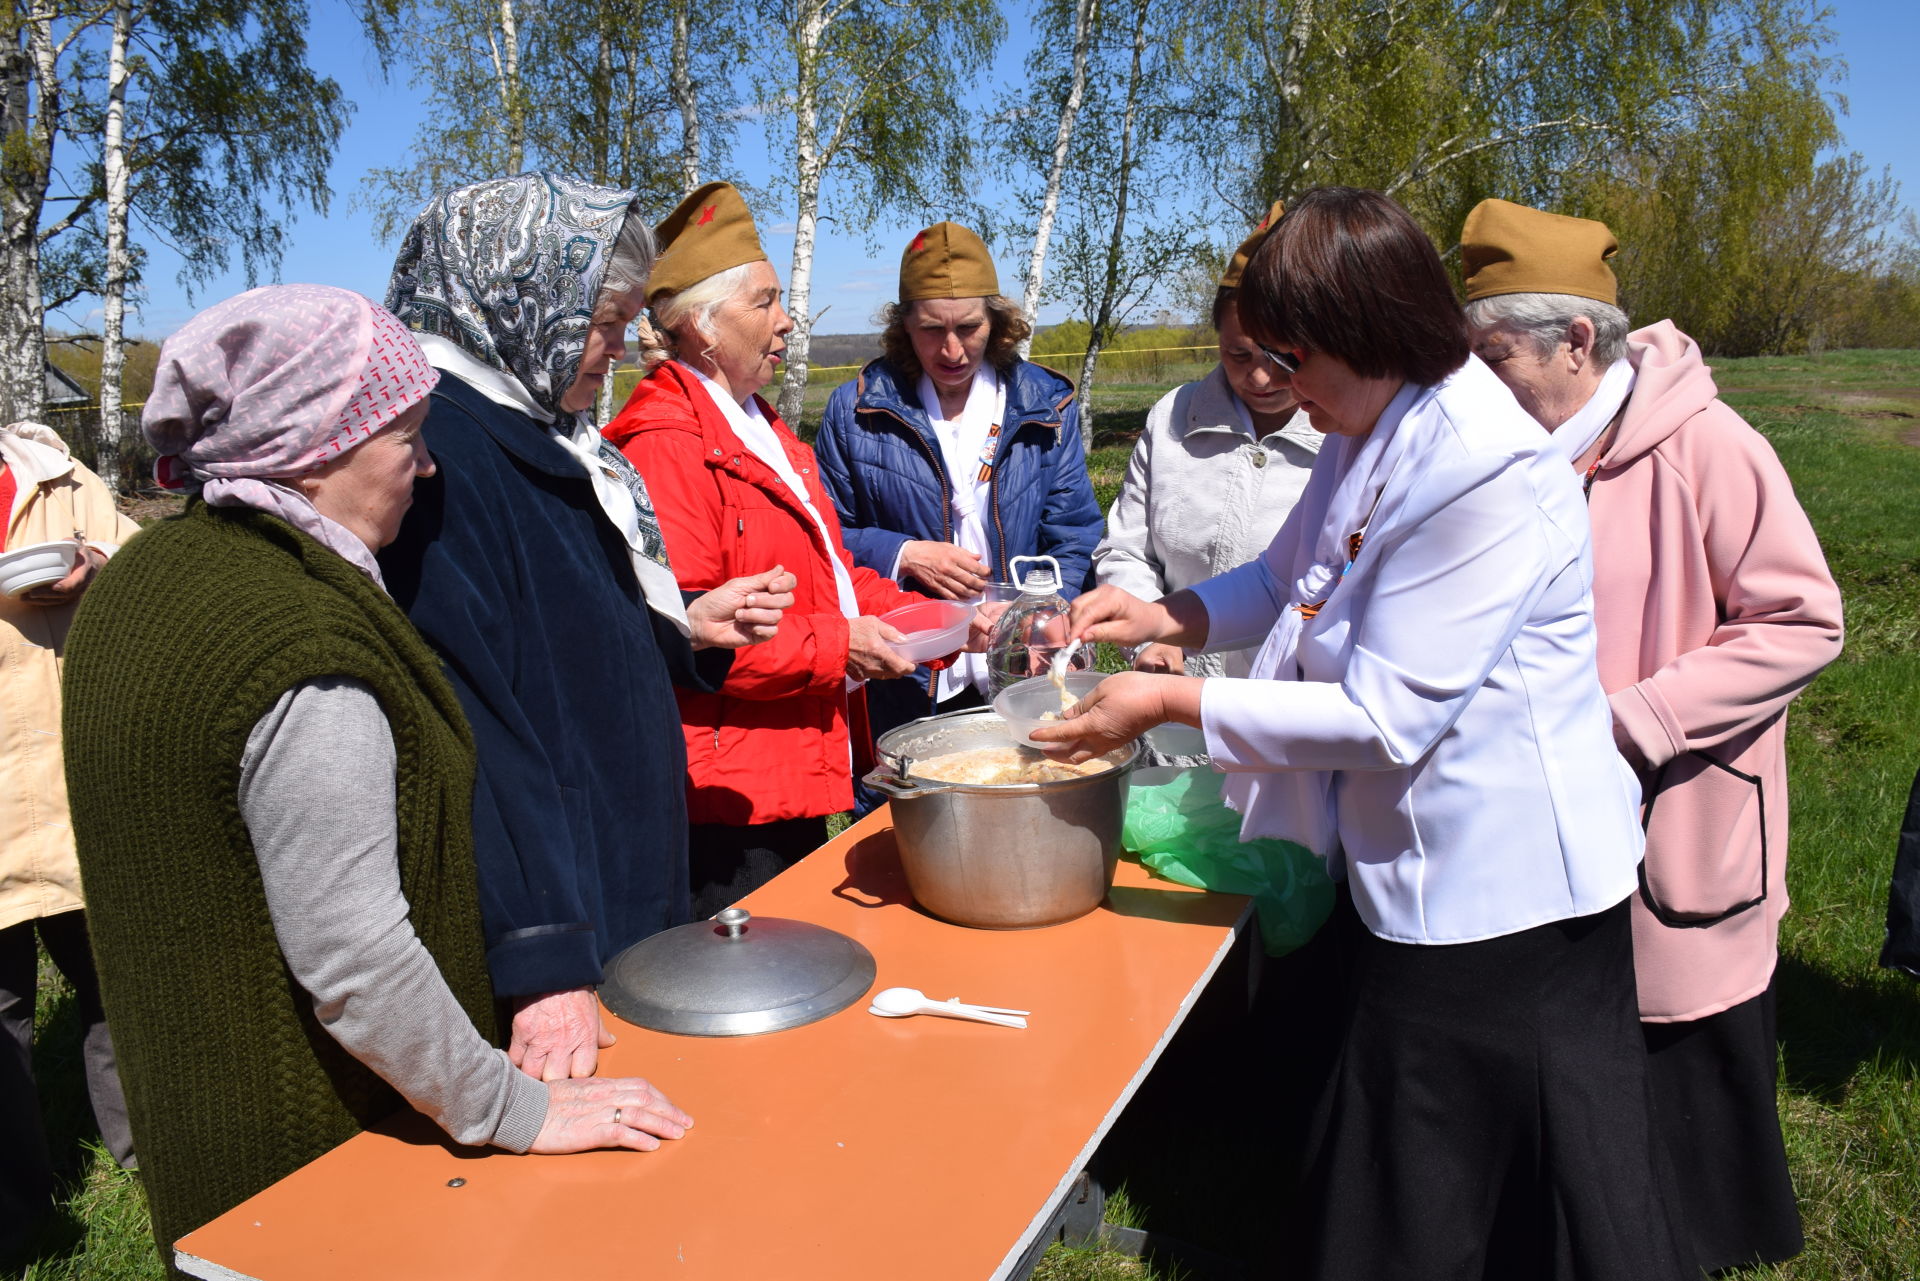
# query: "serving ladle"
{"points": [[904, 1002]]}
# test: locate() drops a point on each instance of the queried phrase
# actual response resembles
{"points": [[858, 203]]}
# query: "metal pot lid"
{"points": [[737, 975]]}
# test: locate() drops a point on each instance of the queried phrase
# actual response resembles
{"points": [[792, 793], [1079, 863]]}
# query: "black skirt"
{"points": [[1716, 1111], [1489, 1115]]}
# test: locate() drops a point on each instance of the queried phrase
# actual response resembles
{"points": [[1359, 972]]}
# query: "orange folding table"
{"points": [[854, 1147]]}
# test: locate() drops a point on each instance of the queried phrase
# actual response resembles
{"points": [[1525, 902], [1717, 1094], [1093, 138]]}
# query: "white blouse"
{"points": [[1446, 743]]}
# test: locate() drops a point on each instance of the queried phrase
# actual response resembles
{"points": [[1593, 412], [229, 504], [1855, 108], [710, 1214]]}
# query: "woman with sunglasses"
{"points": [[1220, 464], [1425, 712]]}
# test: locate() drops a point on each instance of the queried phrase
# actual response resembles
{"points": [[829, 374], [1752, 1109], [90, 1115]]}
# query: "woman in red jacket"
{"points": [[771, 754]]}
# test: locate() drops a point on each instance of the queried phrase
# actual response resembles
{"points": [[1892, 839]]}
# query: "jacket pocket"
{"points": [[1707, 855]]}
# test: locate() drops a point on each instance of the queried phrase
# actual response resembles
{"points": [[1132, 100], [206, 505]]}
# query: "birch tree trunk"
{"points": [[29, 104], [1100, 330], [680, 85], [807, 172], [513, 102], [113, 153], [1085, 14], [602, 99]]}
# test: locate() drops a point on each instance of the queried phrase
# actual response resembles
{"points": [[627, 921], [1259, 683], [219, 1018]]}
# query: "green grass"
{"points": [[1847, 426]]}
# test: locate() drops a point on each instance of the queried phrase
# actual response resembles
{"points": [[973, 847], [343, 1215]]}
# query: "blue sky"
{"points": [[1876, 38]]}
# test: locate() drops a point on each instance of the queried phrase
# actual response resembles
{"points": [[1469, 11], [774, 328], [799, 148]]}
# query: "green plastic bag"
{"points": [[1183, 830]]}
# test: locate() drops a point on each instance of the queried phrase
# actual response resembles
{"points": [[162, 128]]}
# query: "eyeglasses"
{"points": [[1288, 362]]}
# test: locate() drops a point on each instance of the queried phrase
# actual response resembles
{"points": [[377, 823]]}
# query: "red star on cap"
{"points": [[919, 243], [706, 216]]}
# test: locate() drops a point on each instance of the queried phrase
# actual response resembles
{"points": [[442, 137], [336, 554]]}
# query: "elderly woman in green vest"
{"points": [[271, 781]]}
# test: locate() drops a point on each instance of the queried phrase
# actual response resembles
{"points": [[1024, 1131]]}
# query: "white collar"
{"points": [[984, 399], [736, 411], [1575, 436], [35, 453], [496, 385]]}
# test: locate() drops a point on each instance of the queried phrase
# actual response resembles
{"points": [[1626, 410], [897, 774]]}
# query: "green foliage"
{"points": [[873, 82], [1700, 130], [1438, 103], [1734, 226], [1125, 235], [577, 86], [228, 131]]}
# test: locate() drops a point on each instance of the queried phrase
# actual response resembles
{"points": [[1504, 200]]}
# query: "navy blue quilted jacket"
{"points": [[882, 466]]}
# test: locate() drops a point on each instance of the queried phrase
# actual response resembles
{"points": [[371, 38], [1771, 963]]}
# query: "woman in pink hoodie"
{"points": [[1714, 608]]}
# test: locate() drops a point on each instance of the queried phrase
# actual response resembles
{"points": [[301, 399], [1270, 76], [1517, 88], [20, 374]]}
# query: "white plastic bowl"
{"points": [[1175, 739], [1023, 706], [25, 568], [931, 628]]}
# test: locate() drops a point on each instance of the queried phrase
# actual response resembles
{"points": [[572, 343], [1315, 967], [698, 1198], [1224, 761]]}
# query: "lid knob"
{"points": [[734, 921]]}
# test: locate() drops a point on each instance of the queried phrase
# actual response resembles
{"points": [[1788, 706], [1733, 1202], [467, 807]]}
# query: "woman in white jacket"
{"points": [[1220, 464], [45, 496], [1424, 712]]}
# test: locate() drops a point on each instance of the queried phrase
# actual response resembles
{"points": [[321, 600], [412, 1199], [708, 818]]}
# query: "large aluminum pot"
{"points": [[1005, 857]]}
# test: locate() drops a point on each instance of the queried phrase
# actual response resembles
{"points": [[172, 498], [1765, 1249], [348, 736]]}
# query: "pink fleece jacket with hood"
{"points": [[1714, 608]]}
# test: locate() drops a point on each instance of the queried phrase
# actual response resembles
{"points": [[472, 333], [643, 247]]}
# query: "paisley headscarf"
{"points": [[274, 384], [508, 272]]}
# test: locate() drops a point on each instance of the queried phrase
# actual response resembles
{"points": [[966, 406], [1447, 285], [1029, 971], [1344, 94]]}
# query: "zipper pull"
{"points": [[740, 525]]}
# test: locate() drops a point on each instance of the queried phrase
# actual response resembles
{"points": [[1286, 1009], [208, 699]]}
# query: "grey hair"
{"points": [[691, 308], [629, 261], [1543, 320]]}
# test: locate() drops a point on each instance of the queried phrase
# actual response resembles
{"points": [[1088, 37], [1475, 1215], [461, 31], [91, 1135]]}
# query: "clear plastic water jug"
{"points": [[1033, 628]]}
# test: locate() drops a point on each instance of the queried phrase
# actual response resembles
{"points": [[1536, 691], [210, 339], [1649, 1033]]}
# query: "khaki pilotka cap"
{"points": [[1237, 265], [1510, 249], [947, 261], [708, 232]]}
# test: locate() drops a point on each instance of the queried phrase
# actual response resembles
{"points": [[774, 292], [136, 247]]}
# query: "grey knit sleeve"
{"points": [[316, 792]]}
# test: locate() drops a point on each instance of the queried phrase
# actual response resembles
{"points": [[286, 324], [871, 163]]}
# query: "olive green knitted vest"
{"points": [[187, 637]]}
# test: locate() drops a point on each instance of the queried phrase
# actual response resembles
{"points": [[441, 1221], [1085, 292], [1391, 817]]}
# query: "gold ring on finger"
{"points": [[616, 1116]]}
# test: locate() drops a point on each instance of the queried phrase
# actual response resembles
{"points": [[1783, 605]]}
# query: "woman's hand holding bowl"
{"points": [[608, 1112], [1118, 710], [741, 611], [868, 657], [68, 589]]}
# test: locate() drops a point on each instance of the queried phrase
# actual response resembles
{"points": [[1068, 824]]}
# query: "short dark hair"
{"points": [[1007, 328], [1223, 297], [1348, 272]]}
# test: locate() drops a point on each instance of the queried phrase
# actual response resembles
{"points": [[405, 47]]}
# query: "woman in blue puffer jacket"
{"points": [[950, 455]]}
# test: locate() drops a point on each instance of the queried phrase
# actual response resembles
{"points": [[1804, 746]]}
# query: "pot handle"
{"points": [[886, 781]]}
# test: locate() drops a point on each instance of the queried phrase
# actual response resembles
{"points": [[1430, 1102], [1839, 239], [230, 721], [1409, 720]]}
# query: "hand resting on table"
{"points": [[608, 1112]]}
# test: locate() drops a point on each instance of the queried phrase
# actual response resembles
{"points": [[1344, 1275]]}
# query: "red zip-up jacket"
{"points": [[773, 743]]}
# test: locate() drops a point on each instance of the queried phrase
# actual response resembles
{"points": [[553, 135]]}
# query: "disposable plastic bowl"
{"points": [[1175, 739], [25, 568], [931, 628], [1024, 706]]}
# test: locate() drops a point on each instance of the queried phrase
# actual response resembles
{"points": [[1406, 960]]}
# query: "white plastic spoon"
{"points": [[1058, 672], [899, 996], [903, 1002]]}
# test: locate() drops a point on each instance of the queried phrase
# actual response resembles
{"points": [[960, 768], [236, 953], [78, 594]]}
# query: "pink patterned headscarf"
{"points": [[276, 383]]}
